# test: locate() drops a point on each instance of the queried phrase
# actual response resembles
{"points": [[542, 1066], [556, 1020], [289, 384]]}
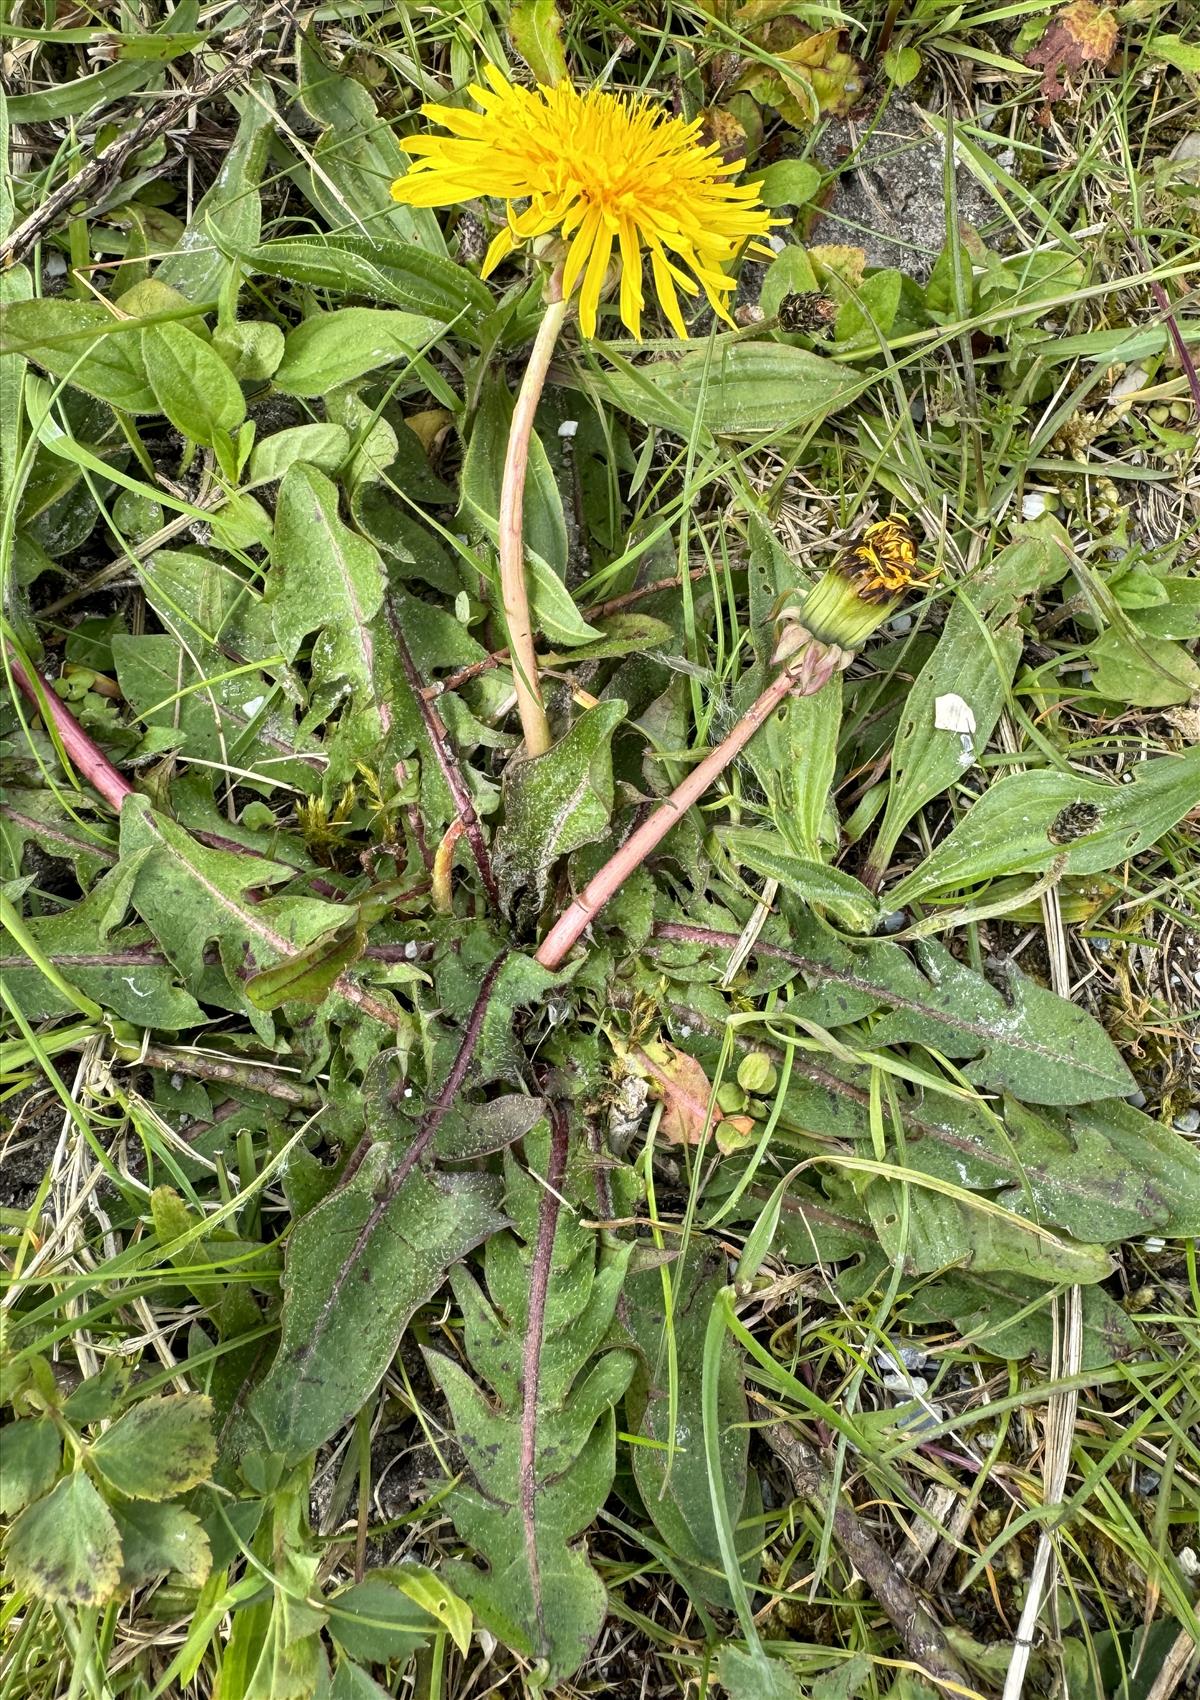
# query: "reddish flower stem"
{"points": [[807, 673], [84, 754]]}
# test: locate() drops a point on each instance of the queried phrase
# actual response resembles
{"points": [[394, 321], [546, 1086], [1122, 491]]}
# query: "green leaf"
{"points": [[1002, 1315], [376, 1621], [160, 1448], [191, 896], [397, 274], [789, 183], [746, 1677], [328, 349], [357, 1268], [251, 348], [1175, 50], [327, 579], [85, 344], [1143, 672], [308, 976], [538, 1591], [65, 1547], [870, 312], [1021, 824], [553, 608], [975, 659], [673, 1482], [192, 385], [156, 1539], [104, 961], [357, 159], [814, 882], [936, 1232], [29, 1461], [232, 205], [535, 29], [326, 447], [901, 65], [556, 802], [731, 388]]}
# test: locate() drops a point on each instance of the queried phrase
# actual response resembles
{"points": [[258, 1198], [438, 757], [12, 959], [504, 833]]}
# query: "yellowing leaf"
{"points": [[838, 262]]}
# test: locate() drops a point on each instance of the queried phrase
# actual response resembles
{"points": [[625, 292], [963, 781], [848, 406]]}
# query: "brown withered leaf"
{"points": [[718, 125], [813, 74], [1079, 34], [681, 1083]]}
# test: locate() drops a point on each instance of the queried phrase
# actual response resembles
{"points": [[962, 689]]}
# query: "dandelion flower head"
{"points": [[605, 172]]}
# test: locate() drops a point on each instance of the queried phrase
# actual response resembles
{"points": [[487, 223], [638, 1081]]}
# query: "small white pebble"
{"points": [[568, 427], [901, 624], [894, 922], [177, 1083], [1034, 505], [1155, 1243], [1188, 1122], [776, 242], [410, 950], [1189, 1563], [408, 1092], [1137, 1099]]}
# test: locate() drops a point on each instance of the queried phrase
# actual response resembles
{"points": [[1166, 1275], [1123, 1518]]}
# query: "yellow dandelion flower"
{"points": [[604, 171]]}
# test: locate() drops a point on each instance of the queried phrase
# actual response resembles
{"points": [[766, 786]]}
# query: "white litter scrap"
{"points": [[952, 714]]}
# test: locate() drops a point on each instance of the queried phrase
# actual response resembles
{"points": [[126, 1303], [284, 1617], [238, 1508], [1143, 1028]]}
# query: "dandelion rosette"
{"points": [[605, 172]]}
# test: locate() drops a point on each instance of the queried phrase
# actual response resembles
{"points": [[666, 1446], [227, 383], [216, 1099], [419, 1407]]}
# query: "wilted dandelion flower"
{"points": [[604, 171]]}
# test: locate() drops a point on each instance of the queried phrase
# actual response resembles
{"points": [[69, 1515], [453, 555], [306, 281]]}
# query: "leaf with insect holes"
{"points": [[556, 802], [357, 1268], [160, 1448], [975, 659], [1077, 35], [527, 1502], [1026, 820], [65, 1548]]}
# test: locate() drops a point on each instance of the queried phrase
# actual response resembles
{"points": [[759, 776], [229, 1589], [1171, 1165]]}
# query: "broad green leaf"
{"points": [[1143, 672], [29, 1460], [673, 1481], [937, 1232], [870, 312], [357, 159], [326, 447], [156, 1539], [744, 1677], [65, 1547], [1176, 50], [376, 1621], [396, 274], [556, 802], [731, 388], [105, 961], [621, 635], [160, 1448], [538, 1592], [975, 659], [554, 610], [357, 1268], [232, 205], [789, 183], [435, 1596], [192, 385], [1023, 822], [77, 96], [535, 28], [351, 1682], [307, 976], [85, 343], [328, 349], [1035, 1043], [986, 1310], [328, 580], [191, 896], [815, 883], [251, 348]]}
